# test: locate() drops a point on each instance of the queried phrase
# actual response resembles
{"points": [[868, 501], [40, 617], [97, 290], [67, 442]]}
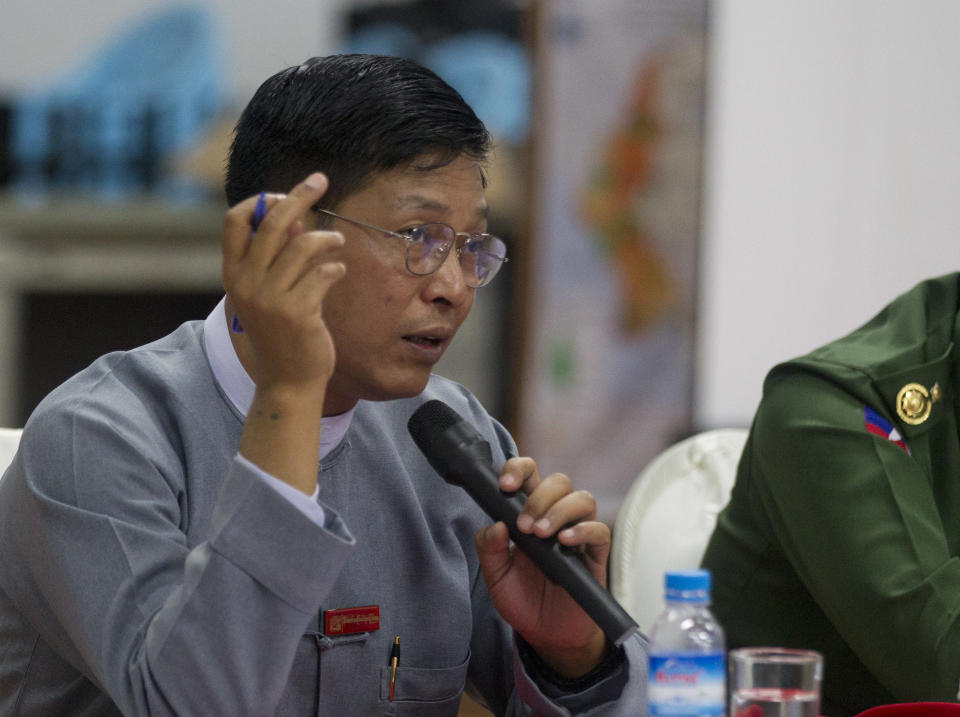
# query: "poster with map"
{"points": [[607, 372]]}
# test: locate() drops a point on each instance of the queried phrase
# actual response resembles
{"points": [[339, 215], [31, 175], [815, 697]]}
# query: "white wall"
{"points": [[833, 178]]}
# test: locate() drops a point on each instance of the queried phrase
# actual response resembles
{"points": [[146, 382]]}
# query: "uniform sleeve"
{"points": [[97, 559], [857, 517]]}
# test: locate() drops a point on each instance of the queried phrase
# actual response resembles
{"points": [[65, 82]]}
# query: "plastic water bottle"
{"points": [[687, 676]]}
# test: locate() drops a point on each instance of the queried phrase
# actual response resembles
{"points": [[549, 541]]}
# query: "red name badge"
{"points": [[348, 620]]}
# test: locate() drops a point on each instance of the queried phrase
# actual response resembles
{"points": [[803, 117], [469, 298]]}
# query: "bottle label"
{"points": [[683, 683]]}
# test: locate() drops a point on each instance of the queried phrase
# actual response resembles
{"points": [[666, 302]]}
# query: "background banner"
{"points": [[611, 277]]}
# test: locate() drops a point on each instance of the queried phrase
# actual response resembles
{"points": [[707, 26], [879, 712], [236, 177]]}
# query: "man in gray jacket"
{"points": [[233, 520]]}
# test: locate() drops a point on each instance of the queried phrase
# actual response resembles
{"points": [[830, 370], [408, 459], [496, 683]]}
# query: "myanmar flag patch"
{"points": [[880, 426]]}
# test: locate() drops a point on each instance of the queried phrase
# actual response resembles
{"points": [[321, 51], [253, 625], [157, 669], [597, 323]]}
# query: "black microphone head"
{"points": [[454, 448], [428, 422]]}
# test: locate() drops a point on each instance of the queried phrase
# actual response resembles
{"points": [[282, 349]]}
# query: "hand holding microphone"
{"points": [[462, 457]]}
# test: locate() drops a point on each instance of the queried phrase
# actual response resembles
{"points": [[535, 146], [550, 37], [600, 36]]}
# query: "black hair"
{"points": [[348, 116]]}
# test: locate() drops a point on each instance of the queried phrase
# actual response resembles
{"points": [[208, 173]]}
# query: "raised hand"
{"points": [[276, 282]]}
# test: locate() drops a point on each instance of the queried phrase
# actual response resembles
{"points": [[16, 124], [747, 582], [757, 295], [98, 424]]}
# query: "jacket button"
{"points": [[914, 404]]}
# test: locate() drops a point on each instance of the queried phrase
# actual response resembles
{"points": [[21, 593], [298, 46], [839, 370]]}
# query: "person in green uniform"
{"points": [[842, 533]]}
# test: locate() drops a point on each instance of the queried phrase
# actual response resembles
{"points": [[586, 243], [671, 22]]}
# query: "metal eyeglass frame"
{"points": [[408, 239]]}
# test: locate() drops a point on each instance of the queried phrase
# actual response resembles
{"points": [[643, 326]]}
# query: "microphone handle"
{"points": [[558, 562]]}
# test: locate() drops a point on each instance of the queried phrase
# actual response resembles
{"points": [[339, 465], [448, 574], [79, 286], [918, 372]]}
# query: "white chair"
{"points": [[668, 516], [9, 440]]}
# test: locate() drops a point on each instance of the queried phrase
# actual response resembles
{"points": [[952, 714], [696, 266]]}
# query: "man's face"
{"points": [[389, 326]]}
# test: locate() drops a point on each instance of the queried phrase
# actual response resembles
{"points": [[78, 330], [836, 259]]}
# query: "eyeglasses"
{"points": [[428, 245]]}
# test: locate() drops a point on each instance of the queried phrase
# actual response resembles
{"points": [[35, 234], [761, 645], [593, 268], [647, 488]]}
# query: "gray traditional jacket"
{"points": [[147, 571]]}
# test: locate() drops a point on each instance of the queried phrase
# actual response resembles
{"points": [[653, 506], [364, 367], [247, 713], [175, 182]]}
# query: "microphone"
{"points": [[458, 452]]}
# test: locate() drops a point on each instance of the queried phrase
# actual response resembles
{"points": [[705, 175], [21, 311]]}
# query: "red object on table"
{"points": [[914, 709]]}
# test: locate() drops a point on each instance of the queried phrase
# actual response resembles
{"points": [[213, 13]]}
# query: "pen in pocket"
{"points": [[394, 660]]}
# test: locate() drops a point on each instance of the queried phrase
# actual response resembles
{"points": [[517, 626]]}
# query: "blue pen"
{"points": [[259, 212]]}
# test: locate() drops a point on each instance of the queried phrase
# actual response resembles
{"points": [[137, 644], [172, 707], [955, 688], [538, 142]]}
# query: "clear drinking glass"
{"points": [[774, 682]]}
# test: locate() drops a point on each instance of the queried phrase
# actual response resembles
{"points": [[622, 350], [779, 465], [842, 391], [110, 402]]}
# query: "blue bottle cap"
{"points": [[687, 585]]}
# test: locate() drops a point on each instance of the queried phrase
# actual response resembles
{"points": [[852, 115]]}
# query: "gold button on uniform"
{"points": [[914, 404]]}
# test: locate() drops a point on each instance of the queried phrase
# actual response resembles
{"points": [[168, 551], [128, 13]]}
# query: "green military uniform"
{"points": [[841, 538]]}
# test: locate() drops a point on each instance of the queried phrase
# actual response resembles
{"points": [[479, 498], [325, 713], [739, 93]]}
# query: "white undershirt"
{"points": [[239, 388]]}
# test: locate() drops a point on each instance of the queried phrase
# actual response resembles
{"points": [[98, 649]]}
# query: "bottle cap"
{"points": [[687, 585]]}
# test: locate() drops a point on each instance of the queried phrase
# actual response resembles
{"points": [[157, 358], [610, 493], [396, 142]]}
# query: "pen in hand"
{"points": [[259, 212], [394, 659]]}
